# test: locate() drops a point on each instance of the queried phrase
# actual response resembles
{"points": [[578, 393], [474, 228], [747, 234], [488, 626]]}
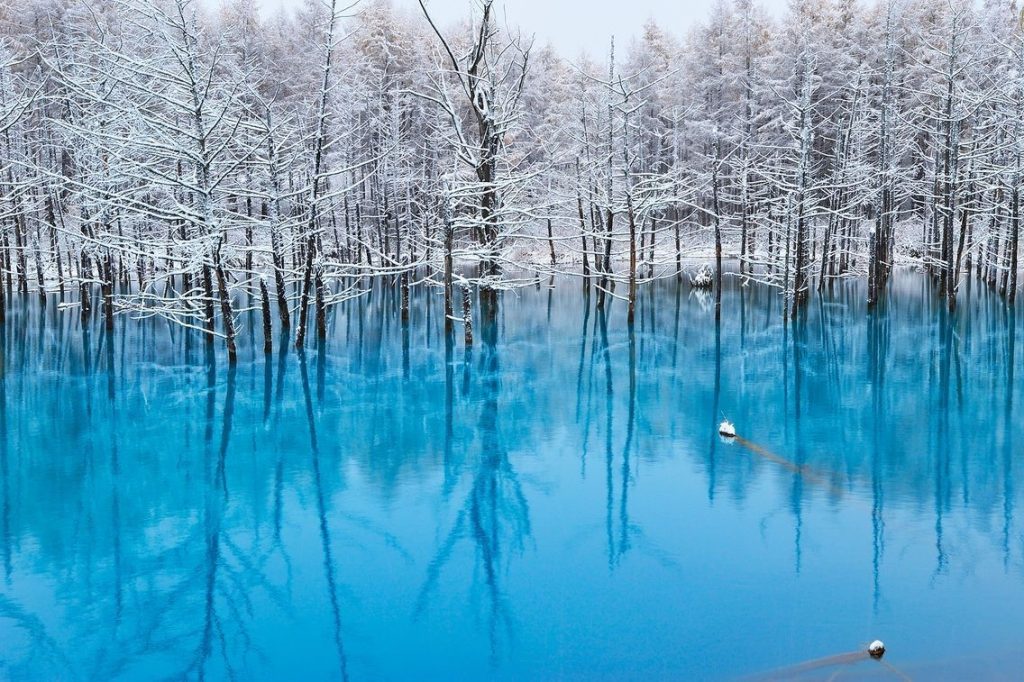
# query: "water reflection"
{"points": [[554, 501], [321, 510]]}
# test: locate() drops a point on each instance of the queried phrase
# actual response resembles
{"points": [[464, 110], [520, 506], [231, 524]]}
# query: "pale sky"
{"points": [[572, 25]]}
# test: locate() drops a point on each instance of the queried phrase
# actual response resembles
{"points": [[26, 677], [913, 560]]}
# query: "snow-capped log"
{"points": [[704, 278]]}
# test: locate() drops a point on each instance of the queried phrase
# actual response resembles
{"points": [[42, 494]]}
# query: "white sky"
{"points": [[572, 25]]}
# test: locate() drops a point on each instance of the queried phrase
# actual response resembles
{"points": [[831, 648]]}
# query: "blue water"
{"points": [[555, 503]]}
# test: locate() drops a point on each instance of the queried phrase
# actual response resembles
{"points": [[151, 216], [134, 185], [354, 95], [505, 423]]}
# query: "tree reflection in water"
{"points": [[173, 515]]}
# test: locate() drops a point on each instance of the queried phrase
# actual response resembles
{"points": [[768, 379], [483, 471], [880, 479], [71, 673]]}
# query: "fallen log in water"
{"points": [[873, 651], [808, 473]]}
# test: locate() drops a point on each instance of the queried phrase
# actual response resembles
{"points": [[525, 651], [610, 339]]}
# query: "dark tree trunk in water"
{"points": [[321, 306], [551, 243], [718, 240], [405, 296], [632, 260], [268, 327], [800, 270], [449, 308], [3, 305], [208, 303], [1014, 239], [226, 312], [583, 224], [86, 303], [108, 293], [307, 283], [467, 317], [19, 231], [679, 247]]}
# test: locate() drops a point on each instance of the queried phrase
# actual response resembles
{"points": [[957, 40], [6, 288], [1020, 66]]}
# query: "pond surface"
{"points": [[555, 503]]}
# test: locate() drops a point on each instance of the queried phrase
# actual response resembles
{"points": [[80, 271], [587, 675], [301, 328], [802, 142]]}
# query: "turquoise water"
{"points": [[555, 503]]}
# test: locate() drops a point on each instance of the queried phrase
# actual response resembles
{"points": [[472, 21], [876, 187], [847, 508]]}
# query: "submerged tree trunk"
{"points": [[467, 317], [268, 325], [632, 260], [226, 312]]}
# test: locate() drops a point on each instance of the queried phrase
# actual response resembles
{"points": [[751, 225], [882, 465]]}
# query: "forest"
{"points": [[160, 158]]}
